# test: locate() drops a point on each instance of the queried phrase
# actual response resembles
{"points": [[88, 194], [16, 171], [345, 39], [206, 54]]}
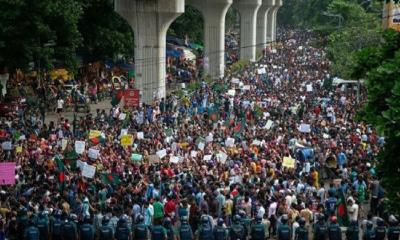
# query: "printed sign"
{"points": [[288, 162], [162, 153], [136, 157], [94, 153], [132, 98], [79, 147], [7, 173], [88, 171], [6, 145], [127, 140], [305, 128]]}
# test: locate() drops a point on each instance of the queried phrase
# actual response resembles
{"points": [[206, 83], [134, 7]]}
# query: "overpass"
{"points": [[150, 20]]}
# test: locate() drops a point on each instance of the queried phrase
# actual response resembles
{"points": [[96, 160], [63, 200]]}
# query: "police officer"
{"points": [[106, 231], [68, 229], [158, 232], [380, 229], [185, 231], [237, 231], [245, 221], [32, 232], [140, 230], [394, 229], [258, 230], [205, 231], [86, 230], [284, 229], [334, 231], [122, 231], [321, 230], [168, 227], [42, 223], [22, 221], [301, 231], [56, 224], [369, 233], [220, 232], [353, 231]]}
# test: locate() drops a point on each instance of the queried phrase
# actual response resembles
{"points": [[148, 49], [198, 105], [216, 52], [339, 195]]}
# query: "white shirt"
{"points": [[60, 103], [353, 211]]}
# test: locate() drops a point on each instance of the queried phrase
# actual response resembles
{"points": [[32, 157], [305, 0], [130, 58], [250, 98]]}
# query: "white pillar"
{"points": [[150, 20], [271, 21], [214, 12], [248, 25], [262, 14]]}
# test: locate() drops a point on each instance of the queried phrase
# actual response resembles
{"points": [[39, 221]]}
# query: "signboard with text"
{"points": [[132, 98]]}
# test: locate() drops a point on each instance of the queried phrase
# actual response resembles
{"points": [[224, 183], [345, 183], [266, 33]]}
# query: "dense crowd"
{"points": [[269, 151]]}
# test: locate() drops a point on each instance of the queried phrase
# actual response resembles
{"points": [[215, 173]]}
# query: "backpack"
{"points": [[68, 231], [185, 232], [86, 232], [56, 228], [284, 233], [122, 233], [43, 227], [219, 233], [258, 232], [33, 233], [237, 232], [140, 232], [105, 233], [205, 232], [301, 233], [321, 232], [157, 233]]}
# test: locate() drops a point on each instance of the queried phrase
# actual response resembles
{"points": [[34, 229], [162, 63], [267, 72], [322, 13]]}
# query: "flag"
{"points": [[240, 126], [116, 98], [110, 178], [61, 171], [97, 140], [343, 218]]}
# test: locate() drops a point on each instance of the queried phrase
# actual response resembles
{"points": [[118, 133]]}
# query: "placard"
{"points": [[175, 159], [132, 98], [93, 153], [140, 135], [222, 157], [161, 153], [79, 147], [235, 80], [288, 162], [18, 149], [193, 154], [209, 138], [305, 128], [80, 164], [269, 124], [153, 159], [201, 146], [136, 157], [230, 142], [64, 143], [122, 116], [232, 92], [88, 171], [207, 157], [94, 134], [7, 173], [309, 87], [6, 145], [127, 140]]}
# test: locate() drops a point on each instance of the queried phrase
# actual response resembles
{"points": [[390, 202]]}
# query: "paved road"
{"points": [[53, 116]]}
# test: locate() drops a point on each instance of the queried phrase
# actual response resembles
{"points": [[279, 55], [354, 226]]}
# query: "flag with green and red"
{"points": [[110, 178], [61, 171], [342, 215]]}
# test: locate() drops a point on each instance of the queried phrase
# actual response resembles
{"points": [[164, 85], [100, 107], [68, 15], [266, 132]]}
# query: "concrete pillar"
{"points": [[214, 12], [150, 20], [271, 21], [262, 14], [248, 25]]}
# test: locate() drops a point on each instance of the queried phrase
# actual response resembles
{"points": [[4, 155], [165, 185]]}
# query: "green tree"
{"points": [[105, 34], [379, 66], [191, 23], [39, 32]]}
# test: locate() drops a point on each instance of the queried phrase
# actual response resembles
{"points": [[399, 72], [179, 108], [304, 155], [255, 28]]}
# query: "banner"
{"points": [[94, 153], [79, 147], [288, 162], [94, 134], [7, 173], [132, 98], [88, 171], [6, 145], [127, 140]]}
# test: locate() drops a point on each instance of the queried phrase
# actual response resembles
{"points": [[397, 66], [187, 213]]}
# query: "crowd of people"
{"points": [[269, 151]]}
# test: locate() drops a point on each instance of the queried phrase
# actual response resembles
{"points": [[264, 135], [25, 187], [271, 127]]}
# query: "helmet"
{"points": [[380, 222], [333, 219], [167, 221], [236, 218], [204, 219], [140, 218], [73, 217], [105, 220], [284, 218], [369, 224], [302, 222], [123, 219], [220, 222], [184, 219], [392, 220], [258, 219]]}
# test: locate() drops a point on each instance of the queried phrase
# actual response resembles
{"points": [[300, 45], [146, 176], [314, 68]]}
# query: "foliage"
{"points": [[359, 29], [190, 23], [39, 31], [379, 66], [237, 66], [105, 34]]}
